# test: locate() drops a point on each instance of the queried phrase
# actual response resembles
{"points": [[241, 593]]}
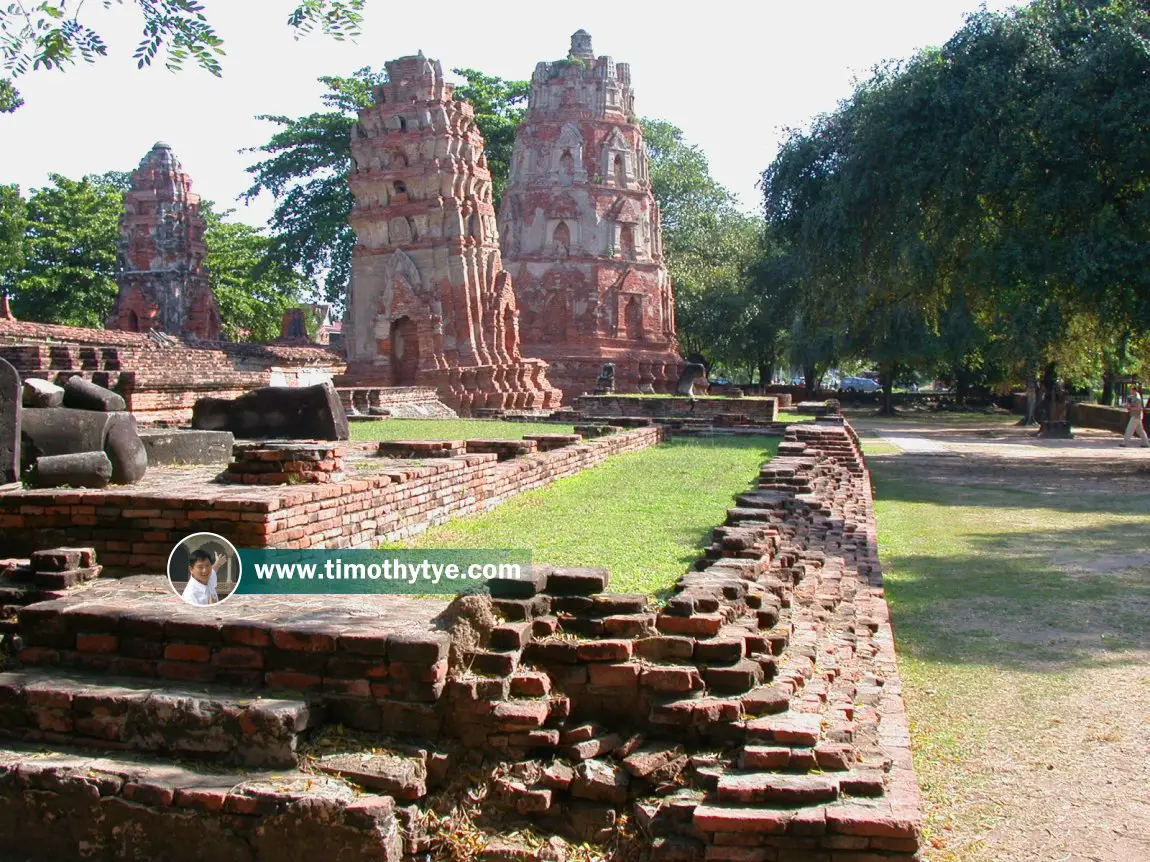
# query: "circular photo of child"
{"points": [[204, 569]]}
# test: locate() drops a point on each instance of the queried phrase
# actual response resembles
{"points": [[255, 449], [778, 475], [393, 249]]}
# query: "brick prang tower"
{"points": [[163, 283], [580, 231], [429, 303]]}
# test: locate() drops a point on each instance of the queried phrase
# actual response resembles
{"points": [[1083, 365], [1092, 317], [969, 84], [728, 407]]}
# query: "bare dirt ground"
{"points": [[1032, 730]]}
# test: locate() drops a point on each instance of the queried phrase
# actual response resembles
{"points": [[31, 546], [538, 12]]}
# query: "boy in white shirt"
{"points": [[201, 588]]}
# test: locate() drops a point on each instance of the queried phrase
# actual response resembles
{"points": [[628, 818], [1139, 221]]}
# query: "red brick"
{"points": [[238, 657], [674, 679], [186, 671], [292, 680], [614, 675], [97, 643], [187, 652], [765, 821]]}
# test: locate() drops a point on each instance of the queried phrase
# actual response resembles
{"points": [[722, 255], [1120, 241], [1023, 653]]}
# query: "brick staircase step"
{"points": [[202, 722], [402, 775], [52, 803], [777, 789]]}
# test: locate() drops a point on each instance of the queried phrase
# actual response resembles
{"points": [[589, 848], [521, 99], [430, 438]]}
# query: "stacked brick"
{"points": [[286, 463], [158, 383], [46, 575], [715, 410], [135, 532], [756, 714]]}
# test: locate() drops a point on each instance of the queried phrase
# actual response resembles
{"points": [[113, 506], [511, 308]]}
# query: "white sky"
{"points": [[731, 75]]}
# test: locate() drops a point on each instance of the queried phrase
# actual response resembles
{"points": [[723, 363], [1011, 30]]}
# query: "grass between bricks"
{"points": [[452, 429], [644, 515], [1021, 620]]}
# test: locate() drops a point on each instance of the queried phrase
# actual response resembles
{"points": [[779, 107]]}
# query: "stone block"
{"points": [[282, 412], [166, 447], [79, 470], [42, 393], [82, 394]]}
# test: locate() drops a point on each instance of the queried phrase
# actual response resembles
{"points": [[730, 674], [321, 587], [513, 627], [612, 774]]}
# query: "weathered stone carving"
{"points": [[283, 412], [694, 375], [162, 278], [65, 431], [10, 396], [580, 230], [605, 385], [429, 303]]}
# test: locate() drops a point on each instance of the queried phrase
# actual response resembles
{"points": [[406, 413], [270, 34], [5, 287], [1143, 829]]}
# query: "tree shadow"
{"points": [[1046, 601]]}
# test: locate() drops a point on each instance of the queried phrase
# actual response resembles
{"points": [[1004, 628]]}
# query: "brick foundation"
{"points": [[756, 714], [134, 531]]}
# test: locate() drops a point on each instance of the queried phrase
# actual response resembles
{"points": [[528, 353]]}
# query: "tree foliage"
{"points": [[252, 296], [1001, 178], [71, 231], [499, 108], [711, 248]]}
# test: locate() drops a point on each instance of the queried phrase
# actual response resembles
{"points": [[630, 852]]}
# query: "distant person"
{"points": [[1135, 410], [202, 569]]}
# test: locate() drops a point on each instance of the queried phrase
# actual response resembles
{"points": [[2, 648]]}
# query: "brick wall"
{"points": [[757, 409], [135, 530]]}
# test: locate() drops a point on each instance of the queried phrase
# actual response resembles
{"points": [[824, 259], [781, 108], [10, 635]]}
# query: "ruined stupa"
{"points": [[161, 274], [580, 231], [429, 303]]}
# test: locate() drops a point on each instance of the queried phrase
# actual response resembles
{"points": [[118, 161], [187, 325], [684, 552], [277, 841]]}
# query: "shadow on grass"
{"points": [[1118, 487], [1046, 601]]}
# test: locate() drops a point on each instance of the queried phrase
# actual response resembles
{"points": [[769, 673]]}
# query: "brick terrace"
{"points": [[757, 715], [134, 528]]}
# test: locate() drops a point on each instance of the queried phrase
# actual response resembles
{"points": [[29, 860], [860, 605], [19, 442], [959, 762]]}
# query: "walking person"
{"points": [[1135, 409]]}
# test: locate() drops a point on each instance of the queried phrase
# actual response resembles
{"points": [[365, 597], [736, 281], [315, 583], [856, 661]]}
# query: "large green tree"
{"points": [[308, 160], [1008, 167], [252, 295], [13, 218], [69, 249]]}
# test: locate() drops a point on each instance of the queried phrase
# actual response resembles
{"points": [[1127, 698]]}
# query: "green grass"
{"points": [[794, 418], [452, 429], [644, 515], [1004, 602]]}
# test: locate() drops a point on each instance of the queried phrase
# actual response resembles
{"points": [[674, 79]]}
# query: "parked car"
{"points": [[859, 384]]}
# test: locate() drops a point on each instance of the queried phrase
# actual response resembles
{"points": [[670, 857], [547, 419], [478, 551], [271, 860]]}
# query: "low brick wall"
{"points": [[754, 408], [134, 529], [1099, 416]]}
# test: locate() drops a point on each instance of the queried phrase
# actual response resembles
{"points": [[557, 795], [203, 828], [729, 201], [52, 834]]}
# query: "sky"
{"points": [[732, 75]]}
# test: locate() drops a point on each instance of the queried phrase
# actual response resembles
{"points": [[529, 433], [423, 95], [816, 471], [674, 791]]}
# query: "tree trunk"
{"points": [[886, 376], [810, 381], [1049, 385], [1031, 416], [1107, 397]]}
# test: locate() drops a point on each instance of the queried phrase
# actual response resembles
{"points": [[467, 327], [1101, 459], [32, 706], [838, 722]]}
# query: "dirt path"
{"points": [[1032, 731]]}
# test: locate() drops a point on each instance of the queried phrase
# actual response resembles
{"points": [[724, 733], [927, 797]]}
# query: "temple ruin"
{"points": [[429, 303], [581, 234], [161, 274]]}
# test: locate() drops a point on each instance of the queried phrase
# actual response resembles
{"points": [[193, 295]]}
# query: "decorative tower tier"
{"points": [[580, 231], [162, 278], [429, 303]]}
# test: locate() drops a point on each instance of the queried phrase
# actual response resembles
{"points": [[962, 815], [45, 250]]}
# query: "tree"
{"points": [[1006, 167], [310, 158], [252, 295], [710, 247], [69, 247], [13, 219]]}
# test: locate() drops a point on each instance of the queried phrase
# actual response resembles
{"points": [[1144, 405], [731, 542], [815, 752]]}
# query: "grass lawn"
{"points": [[644, 515], [1021, 619], [452, 429], [795, 418]]}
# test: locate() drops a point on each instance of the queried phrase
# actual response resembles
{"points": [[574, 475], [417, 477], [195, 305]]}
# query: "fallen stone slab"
{"points": [[81, 470], [281, 412], [42, 393], [83, 394], [67, 431], [187, 446]]}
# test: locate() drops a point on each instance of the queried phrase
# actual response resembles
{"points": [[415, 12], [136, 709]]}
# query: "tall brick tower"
{"points": [[580, 231], [429, 303], [162, 279]]}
